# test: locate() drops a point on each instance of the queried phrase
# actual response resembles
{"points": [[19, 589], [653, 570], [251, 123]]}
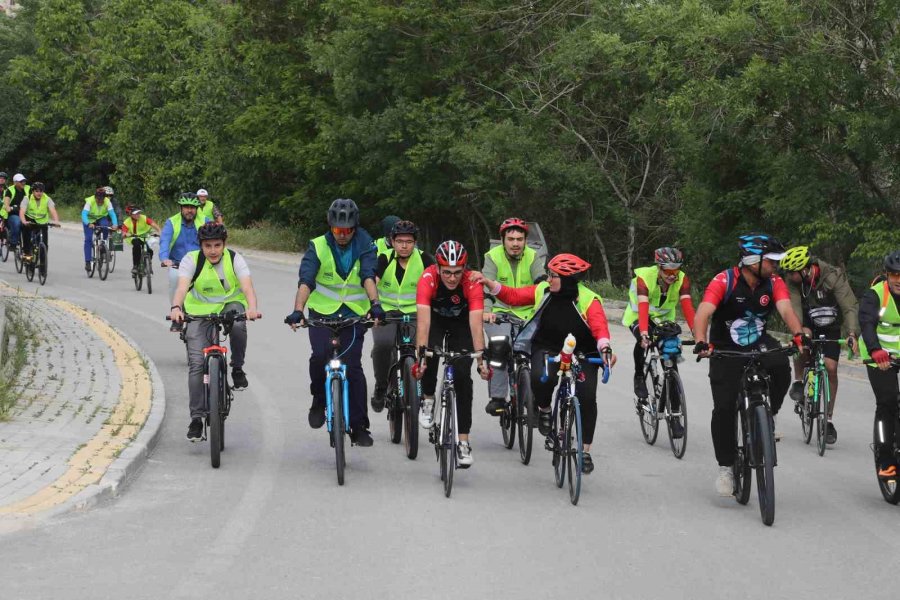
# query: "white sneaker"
{"points": [[725, 482], [778, 434], [426, 413], [464, 455]]}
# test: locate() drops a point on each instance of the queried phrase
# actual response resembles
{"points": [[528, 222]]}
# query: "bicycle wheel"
{"points": [[42, 263], [337, 427], [17, 259], [139, 277], [508, 422], [648, 414], [674, 393], [806, 409], [103, 262], [148, 272], [215, 394], [559, 447], [822, 413], [741, 468], [764, 450], [574, 449], [410, 408], [4, 250], [525, 413], [112, 259], [394, 410], [448, 445]]}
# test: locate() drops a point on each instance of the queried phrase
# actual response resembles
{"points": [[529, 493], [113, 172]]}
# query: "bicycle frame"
{"points": [[335, 369], [404, 347]]}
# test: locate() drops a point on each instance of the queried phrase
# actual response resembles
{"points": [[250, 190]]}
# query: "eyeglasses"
{"points": [[341, 230], [452, 274], [552, 275], [402, 242]]}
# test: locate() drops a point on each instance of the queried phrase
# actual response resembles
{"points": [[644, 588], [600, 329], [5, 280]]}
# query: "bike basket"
{"points": [[115, 241], [498, 351], [823, 316]]}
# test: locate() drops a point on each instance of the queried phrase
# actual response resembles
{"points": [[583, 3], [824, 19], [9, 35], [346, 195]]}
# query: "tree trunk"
{"points": [[630, 247]]}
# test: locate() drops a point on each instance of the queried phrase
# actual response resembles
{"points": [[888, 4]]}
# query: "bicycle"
{"points": [[4, 241], [403, 393], [565, 437], [100, 257], [665, 388], [518, 416], [218, 394], [444, 432], [816, 395], [17, 254], [145, 263], [890, 488], [39, 253], [754, 430], [337, 386]]}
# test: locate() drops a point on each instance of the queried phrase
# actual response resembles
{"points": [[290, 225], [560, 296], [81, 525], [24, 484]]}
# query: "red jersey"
{"points": [[452, 304]]}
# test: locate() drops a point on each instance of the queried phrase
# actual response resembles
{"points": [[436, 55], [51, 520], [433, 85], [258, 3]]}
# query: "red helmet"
{"points": [[451, 254], [568, 264], [513, 223]]}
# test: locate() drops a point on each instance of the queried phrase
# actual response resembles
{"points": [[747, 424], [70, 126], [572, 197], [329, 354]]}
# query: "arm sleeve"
{"points": [[715, 291], [186, 267], [490, 271], [687, 303], [425, 288], [24, 203], [309, 267], [643, 305], [165, 240], [523, 296], [869, 306], [241, 268], [112, 215], [596, 318], [780, 291], [474, 294], [51, 203], [84, 214]]}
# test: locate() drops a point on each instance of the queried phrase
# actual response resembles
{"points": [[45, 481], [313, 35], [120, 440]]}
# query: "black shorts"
{"points": [[832, 332]]}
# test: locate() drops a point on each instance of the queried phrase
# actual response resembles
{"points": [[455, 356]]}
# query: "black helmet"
{"points": [[405, 228], [387, 224], [343, 212], [892, 262], [212, 231], [760, 244], [4, 175], [37, 186]]}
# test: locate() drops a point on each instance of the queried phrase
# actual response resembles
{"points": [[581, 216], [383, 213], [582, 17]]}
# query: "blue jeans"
{"points": [[14, 226], [89, 237], [320, 340]]}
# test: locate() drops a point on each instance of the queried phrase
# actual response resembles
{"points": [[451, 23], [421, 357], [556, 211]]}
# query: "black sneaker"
{"points": [[87, 266], [677, 429], [378, 400], [133, 271], [195, 430], [238, 378], [361, 437], [796, 391], [830, 434], [545, 422], [495, 407], [640, 387], [316, 415], [587, 465]]}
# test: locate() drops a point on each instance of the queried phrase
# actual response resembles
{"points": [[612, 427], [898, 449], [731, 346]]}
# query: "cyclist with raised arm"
{"points": [[97, 211], [135, 228], [563, 305], [513, 264], [383, 244], [879, 323], [449, 303], [738, 303], [397, 275], [823, 299], [212, 280], [178, 237], [337, 279], [36, 211], [12, 200]]}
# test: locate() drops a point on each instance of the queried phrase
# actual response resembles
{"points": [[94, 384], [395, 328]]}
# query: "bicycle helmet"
{"points": [[387, 224], [4, 175], [133, 211], [513, 223], [892, 262], [109, 191], [212, 231], [755, 246], [189, 199], [37, 186], [795, 259], [668, 257], [451, 254], [343, 212], [405, 228], [568, 265], [668, 329]]}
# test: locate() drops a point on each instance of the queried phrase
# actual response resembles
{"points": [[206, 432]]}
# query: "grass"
{"points": [[607, 290], [14, 356]]}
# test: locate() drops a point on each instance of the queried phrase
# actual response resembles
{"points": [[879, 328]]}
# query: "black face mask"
{"points": [[568, 288]]}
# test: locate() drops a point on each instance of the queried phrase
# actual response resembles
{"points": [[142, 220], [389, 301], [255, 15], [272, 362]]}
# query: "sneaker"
{"points": [[677, 429], [175, 327], [238, 378], [378, 400], [777, 433], [640, 387], [830, 434], [545, 422], [495, 407], [133, 271], [195, 430], [361, 437], [796, 391], [316, 415], [426, 413], [725, 482], [587, 465], [887, 471], [87, 266], [464, 455]]}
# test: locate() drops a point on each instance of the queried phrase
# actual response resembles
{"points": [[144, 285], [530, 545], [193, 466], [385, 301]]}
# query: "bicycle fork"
{"points": [[330, 374]]}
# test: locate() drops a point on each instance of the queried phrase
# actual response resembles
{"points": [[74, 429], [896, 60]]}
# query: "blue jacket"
{"points": [[362, 247], [187, 240]]}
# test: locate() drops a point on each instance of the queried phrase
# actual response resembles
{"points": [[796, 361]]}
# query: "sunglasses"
{"points": [[341, 230], [671, 272], [893, 276]]}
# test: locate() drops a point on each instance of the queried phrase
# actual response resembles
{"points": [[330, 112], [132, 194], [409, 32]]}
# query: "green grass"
{"points": [[607, 290], [266, 236], [13, 357]]}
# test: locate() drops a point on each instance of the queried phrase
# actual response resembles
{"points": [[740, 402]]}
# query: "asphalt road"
{"points": [[273, 522]]}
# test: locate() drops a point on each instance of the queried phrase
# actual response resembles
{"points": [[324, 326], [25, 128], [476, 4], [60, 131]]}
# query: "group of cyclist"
{"points": [[26, 206]]}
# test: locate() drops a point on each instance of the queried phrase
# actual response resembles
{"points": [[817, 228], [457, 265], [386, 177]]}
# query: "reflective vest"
{"points": [[586, 297], [207, 210], [140, 228], [331, 291], [12, 192], [176, 227], [38, 210], [888, 328], [520, 278], [658, 312], [401, 296], [97, 211], [207, 295], [382, 247]]}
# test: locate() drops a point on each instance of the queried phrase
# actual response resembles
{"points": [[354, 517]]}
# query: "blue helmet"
{"points": [[761, 245]]}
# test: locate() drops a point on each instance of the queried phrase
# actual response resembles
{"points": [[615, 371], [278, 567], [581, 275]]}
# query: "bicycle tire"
{"points": [[93, 263], [448, 446], [508, 422], [139, 277], [17, 259], [103, 263], [112, 260], [674, 386], [648, 414], [805, 405], [42, 263], [148, 272], [410, 409], [394, 411], [525, 416], [574, 450], [765, 463], [822, 413], [4, 250], [741, 467], [337, 427], [214, 398], [559, 463]]}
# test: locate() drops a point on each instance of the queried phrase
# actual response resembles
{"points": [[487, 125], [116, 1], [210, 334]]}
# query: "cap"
{"points": [[18, 177], [202, 192]]}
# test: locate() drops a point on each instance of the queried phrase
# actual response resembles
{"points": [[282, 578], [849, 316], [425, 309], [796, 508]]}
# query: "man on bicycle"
{"points": [[654, 293], [825, 302], [97, 211], [397, 275], [449, 304], [513, 264], [178, 237], [36, 211], [383, 244], [880, 327], [12, 200], [212, 280], [739, 302], [563, 305], [136, 227], [337, 279], [208, 208]]}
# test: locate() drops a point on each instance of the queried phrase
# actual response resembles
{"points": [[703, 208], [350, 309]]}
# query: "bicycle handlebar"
{"points": [[399, 319], [576, 360], [333, 323], [750, 353], [33, 224], [450, 355], [508, 318], [230, 316], [895, 362]]}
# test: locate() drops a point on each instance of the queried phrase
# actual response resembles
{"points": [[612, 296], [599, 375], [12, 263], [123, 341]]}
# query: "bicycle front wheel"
{"points": [[448, 446], [139, 277], [822, 413], [103, 262], [29, 269], [215, 396], [574, 449], [559, 447], [42, 264], [337, 427], [17, 259], [648, 415], [525, 413], [410, 409], [741, 468], [148, 272], [395, 414], [764, 450], [4, 250], [675, 417], [806, 405], [508, 422], [112, 259]]}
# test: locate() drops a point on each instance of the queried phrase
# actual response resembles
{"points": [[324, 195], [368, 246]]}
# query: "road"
{"points": [[272, 521]]}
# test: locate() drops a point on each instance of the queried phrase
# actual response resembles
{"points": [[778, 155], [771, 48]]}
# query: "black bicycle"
{"points": [[4, 240], [38, 260], [100, 257], [144, 268], [890, 487], [754, 430], [403, 393]]}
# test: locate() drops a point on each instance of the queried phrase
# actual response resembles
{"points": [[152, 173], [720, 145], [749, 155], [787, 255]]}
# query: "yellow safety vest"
{"points": [[659, 312], [395, 295], [331, 291], [207, 295]]}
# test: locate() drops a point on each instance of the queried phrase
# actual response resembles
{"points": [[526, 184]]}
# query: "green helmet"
{"points": [[795, 259], [189, 199]]}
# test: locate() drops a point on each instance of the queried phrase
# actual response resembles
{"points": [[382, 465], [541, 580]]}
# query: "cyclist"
{"points": [[397, 274], [3, 213], [110, 195], [337, 279], [383, 244], [97, 210], [654, 294], [563, 305], [178, 237], [36, 211], [880, 327], [738, 302], [212, 280], [449, 303], [208, 208], [824, 300], [513, 264], [12, 199], [137, 225]]}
